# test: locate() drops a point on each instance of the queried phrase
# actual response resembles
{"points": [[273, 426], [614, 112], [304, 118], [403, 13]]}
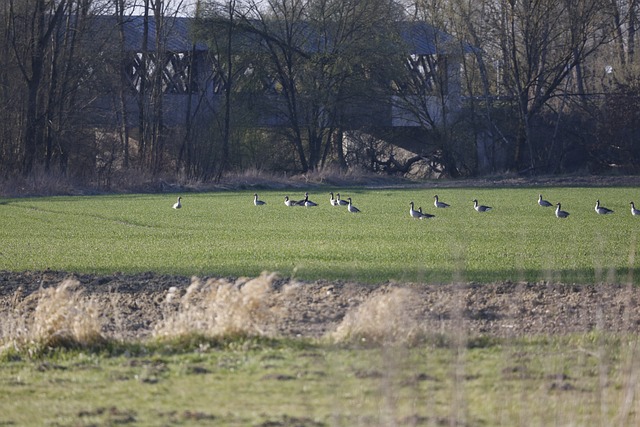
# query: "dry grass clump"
{"points": [[53, 318], [220, 308], [382, 319]]}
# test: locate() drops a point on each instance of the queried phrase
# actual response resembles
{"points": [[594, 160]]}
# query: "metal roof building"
{"points": [[188, 70]]}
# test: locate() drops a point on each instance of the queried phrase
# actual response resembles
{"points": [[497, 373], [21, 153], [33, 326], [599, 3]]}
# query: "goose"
{"points": [[424, 215], [256, 201], [481, 208], [634, 211], [560, 213], [334, 202], [289, 202], [352, 208], [601, 209], [439, 204], [543, 202], [177, 205], [414, 213], [340, 201], [307, 202]]}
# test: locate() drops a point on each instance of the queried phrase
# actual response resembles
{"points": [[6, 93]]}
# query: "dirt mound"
{"points": [[134, 304]]}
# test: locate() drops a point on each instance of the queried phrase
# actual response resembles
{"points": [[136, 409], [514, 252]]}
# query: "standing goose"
{"points": [[414, 213], [177, 205], [439, 204], [256, 201], [481, 208], [543, 202], [340, 201], [601, 209], [352, 208], [634, 211], [307, 202], [560, 213], [289, 202], [424, 215], [334, 202]]}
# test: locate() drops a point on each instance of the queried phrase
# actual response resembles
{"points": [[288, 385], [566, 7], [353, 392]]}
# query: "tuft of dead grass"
{"points": [[381, 320], [220, 308], [51, 318]]}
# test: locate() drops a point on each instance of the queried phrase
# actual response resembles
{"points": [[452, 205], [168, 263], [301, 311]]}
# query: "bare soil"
{"points": [[312, 309]]}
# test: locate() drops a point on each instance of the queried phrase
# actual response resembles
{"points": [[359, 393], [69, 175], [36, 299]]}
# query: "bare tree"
{"points": [[348, 72], [428, 91], [120, 13], [217, 26], [322, 56], [37, 20], [279, 25], [541, 44]]}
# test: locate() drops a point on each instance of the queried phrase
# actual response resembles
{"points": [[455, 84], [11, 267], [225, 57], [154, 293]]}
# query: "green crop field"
{"points": [[223, 233]]}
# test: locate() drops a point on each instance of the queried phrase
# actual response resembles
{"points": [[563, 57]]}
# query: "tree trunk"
{"points": [[618, 32], [122, 86], [142, 90], [43, 24], [228, 91]]}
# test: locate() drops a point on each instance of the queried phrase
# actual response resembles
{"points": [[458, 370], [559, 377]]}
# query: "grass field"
{"points": [[573, 381], [224, 234], [447, 378]]}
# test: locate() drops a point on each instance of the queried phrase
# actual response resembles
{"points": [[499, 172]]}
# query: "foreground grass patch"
{"points": [[224, 234], [582, 380], [213, 361]]}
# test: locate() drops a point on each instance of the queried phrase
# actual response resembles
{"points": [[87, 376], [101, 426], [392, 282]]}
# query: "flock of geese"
{"points": [[600, 210], [417, 213], [334, 201], [337, 201]]}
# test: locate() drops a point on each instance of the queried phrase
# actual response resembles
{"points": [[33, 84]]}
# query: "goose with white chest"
{"points": [[542, 202], [601, 210], [352, 208], [560, 213], [412, 212], [289, 202], [438, 204], [481, 208], [424, 215], [340, 201], [306, 202], [178, 204]]}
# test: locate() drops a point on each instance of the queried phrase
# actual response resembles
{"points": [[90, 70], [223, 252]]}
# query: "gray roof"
{"points": [[177, 35], [421, 38], [424, 39]]}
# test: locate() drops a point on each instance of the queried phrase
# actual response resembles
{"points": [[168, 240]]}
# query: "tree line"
{"points": [[540, 87]]}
